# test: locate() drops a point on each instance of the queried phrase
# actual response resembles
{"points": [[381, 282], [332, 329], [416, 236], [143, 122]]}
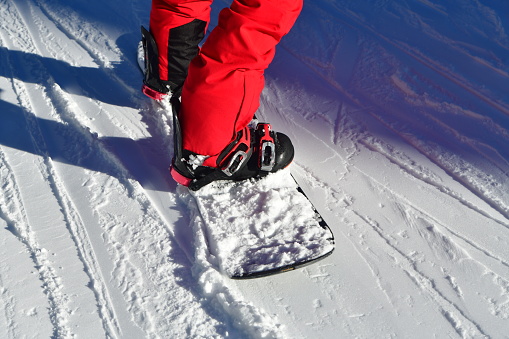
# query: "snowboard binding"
{"points": [[253, 154]]}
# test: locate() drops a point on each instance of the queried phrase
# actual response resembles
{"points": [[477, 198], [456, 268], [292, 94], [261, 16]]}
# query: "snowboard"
{"points": [[260, 227], [257, 227]]}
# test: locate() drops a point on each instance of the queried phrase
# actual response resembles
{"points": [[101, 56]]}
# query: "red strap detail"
{"points": [[179, 178], [264, 129], [153, 94]]}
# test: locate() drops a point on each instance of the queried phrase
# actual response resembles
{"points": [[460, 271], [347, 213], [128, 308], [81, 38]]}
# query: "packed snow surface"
{"points": [[399, 113]]}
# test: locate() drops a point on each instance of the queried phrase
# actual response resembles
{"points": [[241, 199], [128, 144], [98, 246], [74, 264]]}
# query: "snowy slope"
{"points": [[399, 111]]}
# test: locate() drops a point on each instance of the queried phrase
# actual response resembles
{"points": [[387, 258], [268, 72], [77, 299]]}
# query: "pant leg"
{"points": [[223, 87], [178, 26]]}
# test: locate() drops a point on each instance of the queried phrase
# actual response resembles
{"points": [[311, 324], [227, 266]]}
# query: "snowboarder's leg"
{"points": [[177, 26], [222, 90], [221, 95]]}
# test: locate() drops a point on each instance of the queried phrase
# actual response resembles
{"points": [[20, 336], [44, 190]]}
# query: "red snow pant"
{"points": [[221, 92]]}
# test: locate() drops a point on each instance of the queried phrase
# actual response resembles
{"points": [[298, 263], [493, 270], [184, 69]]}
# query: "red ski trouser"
{"points": [[221, 92]]}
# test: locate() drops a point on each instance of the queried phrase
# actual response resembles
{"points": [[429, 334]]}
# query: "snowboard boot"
{"points": [[254, 153]]}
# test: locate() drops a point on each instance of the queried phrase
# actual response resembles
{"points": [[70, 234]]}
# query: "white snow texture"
{"points": [[399, 114]]}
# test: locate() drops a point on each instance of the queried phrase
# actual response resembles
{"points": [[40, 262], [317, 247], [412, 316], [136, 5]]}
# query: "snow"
{"points": [[399, 113]]}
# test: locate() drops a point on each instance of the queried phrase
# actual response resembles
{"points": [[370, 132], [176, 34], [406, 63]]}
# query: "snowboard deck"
{"points": [[261, 227], [258, 227]]}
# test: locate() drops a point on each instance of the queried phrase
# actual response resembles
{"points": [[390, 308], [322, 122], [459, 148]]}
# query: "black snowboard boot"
{"points": [[254, 153]]}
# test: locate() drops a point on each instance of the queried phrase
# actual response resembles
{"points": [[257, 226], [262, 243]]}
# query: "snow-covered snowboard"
{"points": [[258, 227], [262, 226]]}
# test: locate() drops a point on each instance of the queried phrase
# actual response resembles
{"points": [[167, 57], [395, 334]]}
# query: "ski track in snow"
{"points": [[402, 150], [136, 283], [20, 226]]}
